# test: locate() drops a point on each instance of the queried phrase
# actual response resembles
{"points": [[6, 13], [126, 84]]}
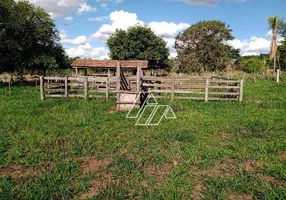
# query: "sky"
{"points": [[85, 25]]}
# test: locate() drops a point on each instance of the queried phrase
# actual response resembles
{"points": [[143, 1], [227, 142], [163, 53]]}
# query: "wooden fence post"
{"points": [[118, 80], [207, 90], [42, 88], [278, 76], [241, 90], [173, 89], [139, 78], [66, 87], [86, 88], [107, 84]]}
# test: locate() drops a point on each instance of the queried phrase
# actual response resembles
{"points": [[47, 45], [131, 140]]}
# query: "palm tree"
{"points": [[274, 24]]}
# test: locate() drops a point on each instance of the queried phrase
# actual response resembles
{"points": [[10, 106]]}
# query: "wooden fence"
{"points": [[196, 88], [83, 87]]}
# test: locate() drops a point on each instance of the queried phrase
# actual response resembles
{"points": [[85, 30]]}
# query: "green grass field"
{"points": [[71, 149]]}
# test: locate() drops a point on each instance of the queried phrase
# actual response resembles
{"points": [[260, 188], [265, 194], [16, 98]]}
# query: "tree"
{"points": [[202, 47], [138, 43], [282, 54], [27, 34], [275, 23]]}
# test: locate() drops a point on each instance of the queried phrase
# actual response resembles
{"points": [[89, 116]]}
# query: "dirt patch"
{"points": [[17, 172], [256, 101], [239, 197], [112, 110], [226, 168], [92, 165], [252, 165], [130, 157], [163, 171], [94, 189], [197, 191], [283, 156]]}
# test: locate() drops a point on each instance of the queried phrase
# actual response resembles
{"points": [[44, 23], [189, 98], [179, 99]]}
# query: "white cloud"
{"points": [[103, 5], [119, 20], [124, 20], [98, 19], [253, 46], [207, 2], [80, 40], [57, 8], [84, 7], [166, 29], [87, 51], [69, 18], [62, 34]]}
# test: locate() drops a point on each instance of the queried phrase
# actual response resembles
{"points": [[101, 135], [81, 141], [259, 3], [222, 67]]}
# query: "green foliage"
{"points": [[275, 23], [138, 43], [282, 54], [27, 34], [252, 65], [201, 47]]}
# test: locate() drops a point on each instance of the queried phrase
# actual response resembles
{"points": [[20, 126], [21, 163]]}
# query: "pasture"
{"points": [[72, 149]]}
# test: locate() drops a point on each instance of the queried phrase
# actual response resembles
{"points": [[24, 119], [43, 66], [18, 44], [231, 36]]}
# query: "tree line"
{"points": [[29, 40]]}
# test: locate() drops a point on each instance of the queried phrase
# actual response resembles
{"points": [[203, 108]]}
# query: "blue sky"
{"points": [[85, 25]]}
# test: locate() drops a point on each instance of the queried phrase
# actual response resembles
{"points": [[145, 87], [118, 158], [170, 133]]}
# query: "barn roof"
{"points": [[79, 63]]}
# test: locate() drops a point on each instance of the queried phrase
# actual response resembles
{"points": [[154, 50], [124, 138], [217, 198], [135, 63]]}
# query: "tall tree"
{"points": [[138, 43], [27, 32], [202, 47], [275, 23]]}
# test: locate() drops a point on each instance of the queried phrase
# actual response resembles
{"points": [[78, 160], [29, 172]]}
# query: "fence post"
{"points": [[42, 88], [173, 89], [85, 88], [241, 90], [66, 87], [278, 76], [107, 87], [207, 90]]}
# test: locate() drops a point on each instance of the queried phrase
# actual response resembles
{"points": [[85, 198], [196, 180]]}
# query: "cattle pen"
{"points": [[128, 88]]}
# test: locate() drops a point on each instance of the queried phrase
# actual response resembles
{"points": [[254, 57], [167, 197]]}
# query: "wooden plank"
{"points": [[86, 88], [54, 95], [224, 87], [241, 90], [156, 85], [107, 84], [207, 90], [97, 96], [54, 90], [76, 95], [191, 98], [173, 89], [222, 99], [42, 88], [66, 87], [278, 76], [118, 84], [54, 78], [224, 93], [224, 81]]}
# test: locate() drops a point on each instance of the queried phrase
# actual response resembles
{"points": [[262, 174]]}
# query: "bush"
{"points": [[252, 65]]}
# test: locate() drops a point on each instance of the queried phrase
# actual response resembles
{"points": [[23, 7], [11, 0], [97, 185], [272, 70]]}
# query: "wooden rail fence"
{"points": [[196, 88]]}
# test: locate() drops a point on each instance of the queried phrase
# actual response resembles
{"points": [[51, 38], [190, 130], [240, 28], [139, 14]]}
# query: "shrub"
{"points": [[252, 65]]}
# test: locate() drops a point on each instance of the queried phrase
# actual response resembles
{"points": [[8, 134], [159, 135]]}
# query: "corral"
{"points": [[128, 88]]}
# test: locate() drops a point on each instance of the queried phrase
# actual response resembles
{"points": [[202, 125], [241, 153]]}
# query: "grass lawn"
{"points": [[71, 149]]}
